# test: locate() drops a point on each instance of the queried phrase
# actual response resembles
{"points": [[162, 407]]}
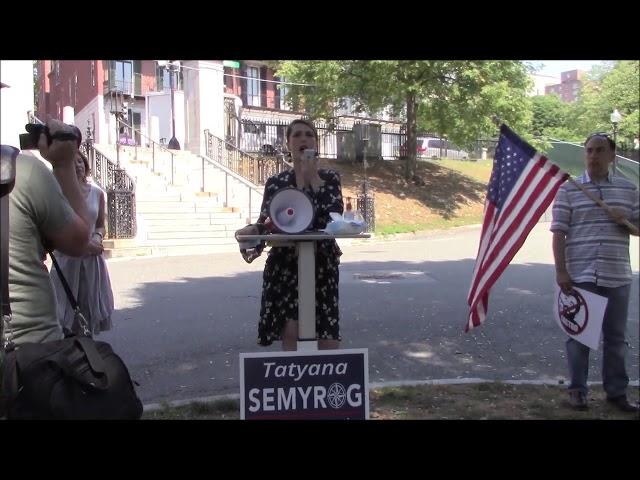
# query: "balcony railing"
{"points": [[129, 87]]}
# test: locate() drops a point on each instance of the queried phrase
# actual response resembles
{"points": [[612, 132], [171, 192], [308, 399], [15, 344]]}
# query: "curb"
{"points": [[152, 407]]}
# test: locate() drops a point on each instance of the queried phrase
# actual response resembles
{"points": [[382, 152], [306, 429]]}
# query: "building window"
{"points": [[57, 70], [160, 78], [163, 80], [228, 79], [253, 86], [123, 72], [93, 74]]}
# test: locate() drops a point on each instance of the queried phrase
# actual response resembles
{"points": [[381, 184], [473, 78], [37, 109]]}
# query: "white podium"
{"points": [[305, 243]]}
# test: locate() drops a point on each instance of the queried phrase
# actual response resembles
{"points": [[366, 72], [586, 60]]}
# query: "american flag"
{"points": [[523, 183]]}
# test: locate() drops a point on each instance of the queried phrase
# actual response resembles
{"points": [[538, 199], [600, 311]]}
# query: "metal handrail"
{"points": [[153, 148], [120, 188], [254, 170]]}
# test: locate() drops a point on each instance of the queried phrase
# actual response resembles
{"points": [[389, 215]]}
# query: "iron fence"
{"points": [[120, 189], [257, 169]]}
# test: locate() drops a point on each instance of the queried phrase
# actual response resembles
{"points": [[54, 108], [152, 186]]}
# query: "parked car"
{"points": [[429, 147], [449, 150], [255, 139], [421, 149]]}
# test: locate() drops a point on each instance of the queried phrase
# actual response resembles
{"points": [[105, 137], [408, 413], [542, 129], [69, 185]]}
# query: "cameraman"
{"points": [[46, 211]]}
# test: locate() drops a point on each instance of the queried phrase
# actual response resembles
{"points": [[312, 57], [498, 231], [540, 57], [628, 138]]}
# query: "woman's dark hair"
{"points": [[612, 144], [87, 168], [308, 123], [77, 133]]}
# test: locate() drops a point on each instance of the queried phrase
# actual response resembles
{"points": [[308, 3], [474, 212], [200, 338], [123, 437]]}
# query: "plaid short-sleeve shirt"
{"points": [[597, 248]]}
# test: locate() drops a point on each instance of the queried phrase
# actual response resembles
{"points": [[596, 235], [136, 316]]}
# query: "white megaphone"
{"points": [[291, 210]]}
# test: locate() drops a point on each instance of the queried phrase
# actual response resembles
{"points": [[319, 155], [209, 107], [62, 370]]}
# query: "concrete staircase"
{"points": [[175, 219]]}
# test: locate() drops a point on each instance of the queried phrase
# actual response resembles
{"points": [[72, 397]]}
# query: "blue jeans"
{"points": [[614, 373]]}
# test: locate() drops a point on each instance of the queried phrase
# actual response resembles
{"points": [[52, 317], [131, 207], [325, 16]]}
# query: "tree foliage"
{"points": [[455, 98]]}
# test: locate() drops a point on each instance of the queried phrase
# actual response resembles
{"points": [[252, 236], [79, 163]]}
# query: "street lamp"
{"points": [[89, 138], [365, 200], [88, 142], [172, 67], [615, 120], [124, 118], [365, 144], [118, 106]]}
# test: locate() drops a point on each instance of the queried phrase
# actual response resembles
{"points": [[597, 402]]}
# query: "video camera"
{"points": [[29, 140]]}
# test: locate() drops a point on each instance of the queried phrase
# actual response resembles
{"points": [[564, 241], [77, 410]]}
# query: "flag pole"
{"points": [[632, 228]]}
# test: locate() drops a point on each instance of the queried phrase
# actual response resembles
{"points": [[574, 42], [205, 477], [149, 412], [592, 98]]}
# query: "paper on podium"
{"points": [[580, 315], [341, 226]]}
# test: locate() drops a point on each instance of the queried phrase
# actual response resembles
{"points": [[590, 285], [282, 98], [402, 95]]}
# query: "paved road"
{"points": [[181, 322]]}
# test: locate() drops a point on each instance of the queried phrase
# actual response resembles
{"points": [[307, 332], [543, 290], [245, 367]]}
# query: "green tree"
{"points": [[614, 85], [485, 89], [456, 98], [621, 90], [549, 113], [550, 121]]}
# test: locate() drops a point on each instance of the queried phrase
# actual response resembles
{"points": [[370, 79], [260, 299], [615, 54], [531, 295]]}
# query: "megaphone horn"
{"points": [[291, 210], [286, 216]]}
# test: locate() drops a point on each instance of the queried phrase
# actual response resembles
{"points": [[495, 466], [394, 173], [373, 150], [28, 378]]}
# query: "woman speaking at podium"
{"points": [[279, 306]]}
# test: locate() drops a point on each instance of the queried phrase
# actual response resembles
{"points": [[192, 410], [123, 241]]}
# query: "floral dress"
{"points": [[280, 278]]}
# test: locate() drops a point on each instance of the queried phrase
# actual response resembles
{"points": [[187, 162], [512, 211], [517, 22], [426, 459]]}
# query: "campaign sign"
{"points": [[308, 385]]}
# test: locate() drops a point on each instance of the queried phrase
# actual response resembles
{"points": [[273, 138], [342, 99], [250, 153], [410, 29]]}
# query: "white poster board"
{"points": [[580, 315]]}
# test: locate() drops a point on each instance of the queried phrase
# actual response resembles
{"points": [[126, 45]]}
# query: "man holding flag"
{"points": [[592, 219]]}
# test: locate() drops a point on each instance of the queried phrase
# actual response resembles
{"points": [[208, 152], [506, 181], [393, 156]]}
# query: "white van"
{"points": [[254, 138], [429, 147]]}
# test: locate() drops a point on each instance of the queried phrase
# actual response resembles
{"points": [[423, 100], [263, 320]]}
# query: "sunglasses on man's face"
{"points": [[601, 135], [598, 134]]}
